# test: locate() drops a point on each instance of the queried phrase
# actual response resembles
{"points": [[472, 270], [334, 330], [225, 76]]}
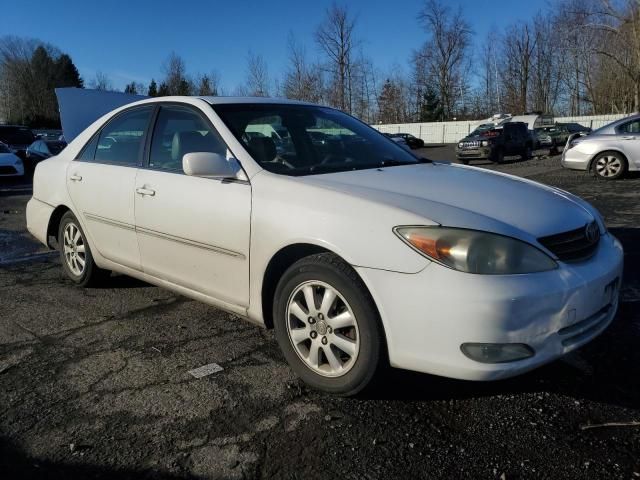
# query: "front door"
{"points": [[192, 231], [101, 183]]}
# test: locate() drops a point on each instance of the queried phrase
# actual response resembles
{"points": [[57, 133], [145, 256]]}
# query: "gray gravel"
{"points": [[94, 383]]}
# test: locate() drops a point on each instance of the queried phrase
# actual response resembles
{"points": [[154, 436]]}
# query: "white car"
{"points": [[354, 250], [10, 164]]}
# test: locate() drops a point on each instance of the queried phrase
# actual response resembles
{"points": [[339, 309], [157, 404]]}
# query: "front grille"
{"points": [[7, 170], [574, 245]]}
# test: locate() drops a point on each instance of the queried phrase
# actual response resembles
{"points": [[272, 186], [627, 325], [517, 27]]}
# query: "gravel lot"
{"points": [[94, 384]]}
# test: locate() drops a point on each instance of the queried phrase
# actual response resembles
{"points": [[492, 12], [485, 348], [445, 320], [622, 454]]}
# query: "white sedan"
{"points": [[10, 164], [353, 249]]}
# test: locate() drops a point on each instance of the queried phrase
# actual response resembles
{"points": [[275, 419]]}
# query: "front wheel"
{"points": [[327, 325], [77, 261]]}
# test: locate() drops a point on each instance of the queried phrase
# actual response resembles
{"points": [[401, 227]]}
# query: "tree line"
{"points": [[575, 57]]}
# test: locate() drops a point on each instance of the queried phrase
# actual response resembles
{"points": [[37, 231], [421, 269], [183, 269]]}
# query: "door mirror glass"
{"points": [[207, 164]]}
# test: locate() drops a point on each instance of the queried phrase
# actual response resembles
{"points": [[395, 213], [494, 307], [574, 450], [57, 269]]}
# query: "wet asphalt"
{"points": [[94, 384]]}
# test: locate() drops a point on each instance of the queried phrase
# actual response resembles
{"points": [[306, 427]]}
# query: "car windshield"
{"points": [[308, 140]]}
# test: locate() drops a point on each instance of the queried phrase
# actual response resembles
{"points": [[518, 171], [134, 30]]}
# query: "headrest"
{"points": [[263, 149], [193, 141]]}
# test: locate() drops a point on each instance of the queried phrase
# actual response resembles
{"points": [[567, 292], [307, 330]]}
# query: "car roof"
{"points": [[220, 100]]}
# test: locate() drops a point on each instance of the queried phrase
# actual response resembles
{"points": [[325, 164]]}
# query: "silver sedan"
{"points": [[608, 152]]}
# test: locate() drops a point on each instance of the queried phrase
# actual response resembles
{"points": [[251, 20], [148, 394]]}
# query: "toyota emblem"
{"points": [[592, 232]]}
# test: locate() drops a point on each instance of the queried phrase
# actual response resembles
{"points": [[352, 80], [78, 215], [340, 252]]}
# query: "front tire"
{"points": [[327, 325], [498, 156], [609, 165], [75, 254]]}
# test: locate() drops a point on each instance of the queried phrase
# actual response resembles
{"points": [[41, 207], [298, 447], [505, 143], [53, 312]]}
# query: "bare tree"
{"points": [[257, 76], [101, 82], [207, 84], [519, 45], [301, 80], [445, 54], [176, 80], [620, 26], [335, 37]]}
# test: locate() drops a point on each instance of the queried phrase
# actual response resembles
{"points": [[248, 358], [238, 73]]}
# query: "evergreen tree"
{"points": [[163, 91], [153, 89], [431, 108], [67, 74], [131, 88]]}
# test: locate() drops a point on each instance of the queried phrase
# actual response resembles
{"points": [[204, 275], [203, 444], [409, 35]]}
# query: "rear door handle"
{"points": [[145, 191], [75, 178]]}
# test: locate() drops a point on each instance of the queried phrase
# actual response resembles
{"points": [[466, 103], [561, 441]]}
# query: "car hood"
{"points": [[465, 197]]}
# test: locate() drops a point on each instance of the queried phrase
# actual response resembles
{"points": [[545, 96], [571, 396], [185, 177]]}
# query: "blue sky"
{"points": [[129, 41]]}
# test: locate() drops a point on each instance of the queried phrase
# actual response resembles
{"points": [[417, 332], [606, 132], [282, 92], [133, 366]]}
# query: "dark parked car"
{"points": [[575, 128], [511, 138], [43, 149], [413, 142], [17, 138]]}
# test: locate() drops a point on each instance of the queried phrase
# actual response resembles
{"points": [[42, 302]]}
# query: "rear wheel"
{"points": [[77, 261], [327, 325], [526, 154], [609, 165]]}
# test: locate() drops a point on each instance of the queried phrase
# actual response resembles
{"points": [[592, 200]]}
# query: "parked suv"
{"points": [[511, 138]]}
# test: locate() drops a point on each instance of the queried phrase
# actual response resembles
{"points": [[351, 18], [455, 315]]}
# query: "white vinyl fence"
{"points": [[452, 132]]}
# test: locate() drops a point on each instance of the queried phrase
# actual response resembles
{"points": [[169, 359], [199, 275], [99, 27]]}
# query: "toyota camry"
{"points": [[353, 249]]}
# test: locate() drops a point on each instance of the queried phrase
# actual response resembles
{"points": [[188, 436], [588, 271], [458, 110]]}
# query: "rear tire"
{"points": [[609, 165], [335, 344], [75, 254], [526, 154]]}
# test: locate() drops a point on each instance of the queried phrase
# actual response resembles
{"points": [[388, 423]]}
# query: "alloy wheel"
{"points": [[608, 166], [74, 249], [322, 328]]}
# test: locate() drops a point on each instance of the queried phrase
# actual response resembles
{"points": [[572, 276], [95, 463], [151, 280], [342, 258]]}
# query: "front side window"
{"points": [[178, 131], [120, 141], [307, 140]]}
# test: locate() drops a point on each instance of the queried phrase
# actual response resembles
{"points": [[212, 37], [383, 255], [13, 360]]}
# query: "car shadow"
{"points": [[15, 463], [605, 370]]}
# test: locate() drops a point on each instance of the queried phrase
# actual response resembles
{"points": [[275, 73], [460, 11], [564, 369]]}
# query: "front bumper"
{"points": [[575, 160], [427, 316], [481, 153]]}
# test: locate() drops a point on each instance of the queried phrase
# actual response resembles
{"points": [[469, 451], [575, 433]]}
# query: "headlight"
{"points": [[473, 251], [460, 145], [485, 143]]}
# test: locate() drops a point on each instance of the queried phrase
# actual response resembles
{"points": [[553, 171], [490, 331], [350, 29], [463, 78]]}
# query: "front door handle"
{"points": [[75, 178], [145, 191]]}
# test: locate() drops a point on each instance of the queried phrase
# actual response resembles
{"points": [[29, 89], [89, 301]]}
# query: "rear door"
{"points": [[628, 136], [192, 231], [101, 183]]}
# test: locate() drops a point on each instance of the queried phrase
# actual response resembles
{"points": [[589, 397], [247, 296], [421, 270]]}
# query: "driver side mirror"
{"points": [[207, 164]]}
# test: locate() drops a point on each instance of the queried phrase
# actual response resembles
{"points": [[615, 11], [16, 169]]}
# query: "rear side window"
{"points": [[178, 131], [631, 127], [120, 141]]}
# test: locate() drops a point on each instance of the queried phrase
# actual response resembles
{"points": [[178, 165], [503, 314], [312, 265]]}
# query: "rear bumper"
{"points": [[427, 316], [38, 216]]}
